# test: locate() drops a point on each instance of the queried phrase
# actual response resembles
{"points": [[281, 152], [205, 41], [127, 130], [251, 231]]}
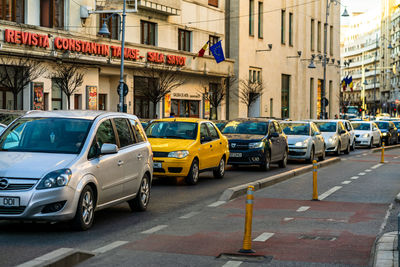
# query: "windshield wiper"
{"points": [[174, 137]]}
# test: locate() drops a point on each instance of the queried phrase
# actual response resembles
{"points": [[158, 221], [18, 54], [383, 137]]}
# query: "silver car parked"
{"points": [[304, 139], [64, 165], [337, 138]]}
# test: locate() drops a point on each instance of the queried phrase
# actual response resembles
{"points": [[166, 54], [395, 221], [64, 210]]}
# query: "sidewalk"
{"points": [[386, 253]]}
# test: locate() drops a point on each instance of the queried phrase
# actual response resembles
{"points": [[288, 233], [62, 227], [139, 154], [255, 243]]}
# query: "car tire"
{"points": [[347, 151], [380, 142], [371, 143], [312, 155], [141, 201], [337, 152], [322, 157], [193, 177], [84, 215], [219, 171], [283, 162], [353, 146], [267, 163]]}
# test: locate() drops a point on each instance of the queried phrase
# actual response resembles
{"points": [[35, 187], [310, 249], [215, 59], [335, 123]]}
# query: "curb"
{"points": [[240, 190], [386, 254], [378, 149]]}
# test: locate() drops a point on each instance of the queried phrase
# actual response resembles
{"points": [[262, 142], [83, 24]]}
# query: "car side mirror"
{"points": [[275, 135], [205, 139], [108, 149], [342, 132]]}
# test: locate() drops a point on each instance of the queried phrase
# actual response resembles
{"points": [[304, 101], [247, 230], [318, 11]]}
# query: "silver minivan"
{"points": [[64, 165]]}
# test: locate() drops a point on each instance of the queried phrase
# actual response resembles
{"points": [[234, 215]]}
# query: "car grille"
{"points": [[159, 170], [357, 135], [296, 153], [16, 210], [17, 187], [160, 154], [238, 146], [175, 169]]}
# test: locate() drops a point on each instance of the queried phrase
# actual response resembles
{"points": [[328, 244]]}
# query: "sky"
{"points": [[360, 5]]}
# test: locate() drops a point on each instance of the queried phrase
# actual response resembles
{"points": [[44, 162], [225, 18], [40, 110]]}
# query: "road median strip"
{"points": [[378, 149], [240, 190]]}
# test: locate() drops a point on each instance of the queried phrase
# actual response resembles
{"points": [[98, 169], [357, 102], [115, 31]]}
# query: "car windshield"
{"points": [[246, 127], [46, 135], [382, 125], [396, 123], [326, 126], [296, 128], [172, 129], [361, 126]]}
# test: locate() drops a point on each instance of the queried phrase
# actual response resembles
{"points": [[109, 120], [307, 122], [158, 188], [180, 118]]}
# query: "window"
{"points": [[124, 134], [213, 3], [255, 75], [260, 19], [212, 41], [143, 107], [12, 10], [56, 96], [112, 24], [271, 128], [319, 37], [213, 133], [184, 40], [105, 135], [285, 96], [52, 13], [283, 26], [203, 131], [331, 40], [291, 29], [251, 17], [102, 101], [148, 32], [77, 101], [311, 97], [137, 130], [312, 34]]}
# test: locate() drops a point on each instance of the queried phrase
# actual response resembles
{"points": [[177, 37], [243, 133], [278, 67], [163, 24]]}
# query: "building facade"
{"points": [[162, 36], [295, 33]]}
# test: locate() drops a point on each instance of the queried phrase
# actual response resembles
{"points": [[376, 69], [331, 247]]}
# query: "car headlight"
{"points": [[178, 154], [55, 179], [331, 139], [384, 134], [301, 144], [256, 145], [365, 135]]}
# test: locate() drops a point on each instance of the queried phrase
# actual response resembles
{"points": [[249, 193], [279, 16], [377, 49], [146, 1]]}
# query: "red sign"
{"points": [[81, 46], [169, 59], [26, 38], [128, 52]]}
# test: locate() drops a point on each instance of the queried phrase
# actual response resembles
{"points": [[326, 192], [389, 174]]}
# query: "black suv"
{"points": [[389, 132], [256, 141]]}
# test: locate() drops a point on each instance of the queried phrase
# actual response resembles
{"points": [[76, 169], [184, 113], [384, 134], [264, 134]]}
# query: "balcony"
{"points": [[165, 7]]}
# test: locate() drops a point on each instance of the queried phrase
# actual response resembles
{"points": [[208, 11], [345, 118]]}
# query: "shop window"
{"points": [[213, 3], [148, 33], [113, 24], [12, 10], [46, 101], [102, 101], [212, 41], [184, 40], [285, 90], [185, 108], [56, 96], [52, 13], [143, 107], [77, 101]]}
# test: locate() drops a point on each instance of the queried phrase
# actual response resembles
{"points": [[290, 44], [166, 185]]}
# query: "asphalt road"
{"points": [[171, 198]]}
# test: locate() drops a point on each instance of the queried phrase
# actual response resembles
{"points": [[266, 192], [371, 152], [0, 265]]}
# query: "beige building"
{"points": [[296, 32], [161, 33]]}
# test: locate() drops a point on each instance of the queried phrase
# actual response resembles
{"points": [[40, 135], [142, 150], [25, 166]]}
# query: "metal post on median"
{"points": [[315, 183], [383, 153], [248, 221]]}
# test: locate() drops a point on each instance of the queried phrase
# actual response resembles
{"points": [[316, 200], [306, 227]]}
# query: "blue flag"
{"points": [[217, 52]]}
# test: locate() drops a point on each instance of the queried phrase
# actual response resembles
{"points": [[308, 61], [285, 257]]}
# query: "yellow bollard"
{"points": [[383, 153], [315, 185], [248, 221]]}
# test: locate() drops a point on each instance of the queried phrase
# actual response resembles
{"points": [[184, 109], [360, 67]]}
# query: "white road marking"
{"points": [[39, 261], [263, 237], [189, 215], [354, 177], [368, 170], [217, 203], [362, 173], [232, 264], [346, 182], [155, 229], [376, 166], [288, 219], [303, 208], [110, 246], [329, 192]]}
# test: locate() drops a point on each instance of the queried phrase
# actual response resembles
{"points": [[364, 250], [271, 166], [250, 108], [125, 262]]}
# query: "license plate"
{"points": [[9, 201], [235, 155], [157, 165]]}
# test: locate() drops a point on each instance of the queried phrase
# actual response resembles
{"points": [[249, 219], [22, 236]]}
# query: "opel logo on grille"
{"points": [[233, 145], [3, 183]]}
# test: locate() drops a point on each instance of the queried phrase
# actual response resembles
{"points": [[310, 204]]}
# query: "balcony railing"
{"points": [[166, 7]]}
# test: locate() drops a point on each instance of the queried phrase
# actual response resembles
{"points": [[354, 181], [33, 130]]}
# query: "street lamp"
{"points": [[345, 14]]}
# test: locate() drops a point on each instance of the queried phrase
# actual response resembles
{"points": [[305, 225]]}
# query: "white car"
{"points": [[367, 133], [337, 138], [352, 133], [2, 127]]}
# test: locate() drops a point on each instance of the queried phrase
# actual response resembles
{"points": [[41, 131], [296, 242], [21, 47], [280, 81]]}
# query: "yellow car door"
{"points": [[217, 148], [205, 148]]}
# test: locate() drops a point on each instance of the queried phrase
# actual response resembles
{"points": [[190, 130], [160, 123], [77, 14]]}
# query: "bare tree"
{"points": [[68, 77], [16, 73], [249, 92], [161, 80]]}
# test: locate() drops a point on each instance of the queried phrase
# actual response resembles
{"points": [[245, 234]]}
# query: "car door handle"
{"points": [[140, 156], [120, 163], [210, 145]]}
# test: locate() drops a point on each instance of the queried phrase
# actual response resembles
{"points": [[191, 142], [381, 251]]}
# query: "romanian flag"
{"points": [[344, 84], [202, 50], [351, 83]]}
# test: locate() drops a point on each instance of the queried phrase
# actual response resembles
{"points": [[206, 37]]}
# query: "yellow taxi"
{"points": [[184, 147]]}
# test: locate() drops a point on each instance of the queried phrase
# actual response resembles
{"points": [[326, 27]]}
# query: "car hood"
{"points": [[249, 137], [384, 130], [362, 132], [327, 135], [169, 145], [293, 139], [32, 165]]}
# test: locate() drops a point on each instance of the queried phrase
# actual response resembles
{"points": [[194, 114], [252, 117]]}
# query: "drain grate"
{"points": [[324, 238], [245, 258]]}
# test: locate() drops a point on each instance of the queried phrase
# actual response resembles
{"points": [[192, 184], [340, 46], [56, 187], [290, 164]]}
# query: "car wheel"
{"points": [[380, 142], [141, 201], [193, 176], [283, 162], [267, 163], [312, 156], [337, 152], [371, 143], [347, 151], [84, 215], [353, 146], [219, 172], [322, 157]]}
